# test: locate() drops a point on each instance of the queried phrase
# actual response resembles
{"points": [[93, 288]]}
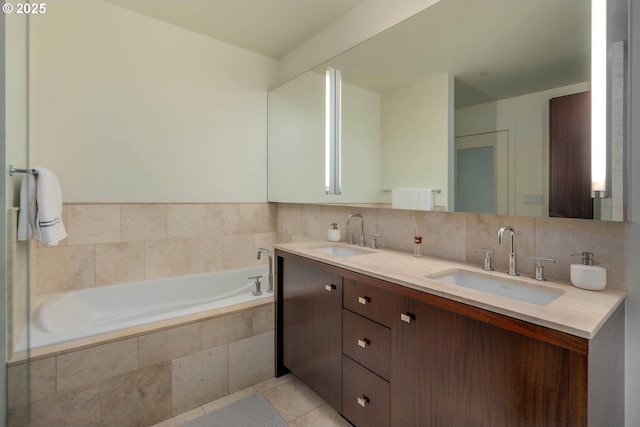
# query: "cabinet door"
{"points": [[312, 328], [450, 370]]}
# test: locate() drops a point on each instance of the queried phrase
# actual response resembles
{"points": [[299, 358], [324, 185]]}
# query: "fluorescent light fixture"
{"points": [[599, 98], [332, 131]]}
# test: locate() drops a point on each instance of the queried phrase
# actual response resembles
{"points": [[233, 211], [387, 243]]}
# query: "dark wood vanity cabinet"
{"points": [[311, 320], [410, 358], [451, 370]]}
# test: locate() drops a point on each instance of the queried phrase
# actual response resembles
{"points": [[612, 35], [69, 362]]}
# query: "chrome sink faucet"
{"points": [[512, 254], [357, 215], [266, 251]]}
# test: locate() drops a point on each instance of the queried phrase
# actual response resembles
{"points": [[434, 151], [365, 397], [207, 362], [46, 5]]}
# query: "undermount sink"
{"points": [[505, 287], [342, 251]]}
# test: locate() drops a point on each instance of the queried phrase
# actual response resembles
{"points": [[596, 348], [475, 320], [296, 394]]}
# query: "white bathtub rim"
{"points": [[41, 340]]}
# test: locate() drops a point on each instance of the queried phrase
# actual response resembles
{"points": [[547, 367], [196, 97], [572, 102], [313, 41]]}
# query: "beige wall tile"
{"points": [[226, 329], [76, 408], [90, 224], [315, 220], [31, 381], [396, 228], [239, 251], [169, 344], [93, 364], [222, 219], [144, 222], [65, 267], [139, 398], [205, 254], [558, 238], [165, 258], [482, 233], [119, 263], [185, 220], [257, 218], [199, 378], [17, 280], [263, 319], [290, 218], [251, 360], [443, 234], [264, 240]]}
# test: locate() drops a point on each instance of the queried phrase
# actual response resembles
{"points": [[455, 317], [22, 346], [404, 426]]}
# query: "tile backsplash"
{"points": [[117, 243], [458, 236]]}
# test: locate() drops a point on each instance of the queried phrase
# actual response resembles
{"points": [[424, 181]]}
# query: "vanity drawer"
{"points": [[368, 301], [367, 342], [366, 398]]}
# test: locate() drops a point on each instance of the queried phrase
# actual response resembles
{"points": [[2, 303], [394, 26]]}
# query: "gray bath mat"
{"points": [[253, 410]]}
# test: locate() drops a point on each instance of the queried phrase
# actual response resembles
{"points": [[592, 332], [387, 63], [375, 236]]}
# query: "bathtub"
{"points": [[66, 316]]}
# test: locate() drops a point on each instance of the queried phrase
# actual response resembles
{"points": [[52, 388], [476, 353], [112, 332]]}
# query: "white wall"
{"points": [[15, 49], [416, 135], [125, 108], [526, 118]]}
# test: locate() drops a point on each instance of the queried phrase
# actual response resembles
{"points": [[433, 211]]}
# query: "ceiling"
{"points": [[269, 27]]}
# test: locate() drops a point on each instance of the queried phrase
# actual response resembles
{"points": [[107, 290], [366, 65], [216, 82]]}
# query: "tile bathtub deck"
{"points": [[296, 403]]}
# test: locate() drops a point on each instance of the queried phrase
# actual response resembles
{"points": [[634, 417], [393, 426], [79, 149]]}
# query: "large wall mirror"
{"points": [[458, 93]]}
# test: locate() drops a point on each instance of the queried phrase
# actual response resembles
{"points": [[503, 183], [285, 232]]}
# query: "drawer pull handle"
{"points": [[364, 300], [407, 317], [363, 342], [363, 401], [329, 288]]}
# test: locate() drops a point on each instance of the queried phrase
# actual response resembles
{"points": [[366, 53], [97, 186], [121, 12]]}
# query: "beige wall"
{"points": [[125, 108]]}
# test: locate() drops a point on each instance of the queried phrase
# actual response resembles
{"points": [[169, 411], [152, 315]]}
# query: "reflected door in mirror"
{"points": [[570, 156], [481, 173]]}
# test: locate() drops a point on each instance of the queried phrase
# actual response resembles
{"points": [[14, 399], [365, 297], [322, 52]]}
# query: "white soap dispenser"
{"points": [[333, 234]]}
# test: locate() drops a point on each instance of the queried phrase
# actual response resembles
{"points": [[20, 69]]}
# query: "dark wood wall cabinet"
{"points": [[383, 354]]}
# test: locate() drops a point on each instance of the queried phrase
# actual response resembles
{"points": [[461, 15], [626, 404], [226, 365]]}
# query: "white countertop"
{"points": [[578, 312]]}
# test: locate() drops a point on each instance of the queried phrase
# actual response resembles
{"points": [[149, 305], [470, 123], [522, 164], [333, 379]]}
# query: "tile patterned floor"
{"points": [[296, 403]]}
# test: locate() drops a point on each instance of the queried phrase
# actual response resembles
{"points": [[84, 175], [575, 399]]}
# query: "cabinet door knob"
{"points": [[363, 401], [363, 342], [364, 300], [407, 317], [329, 288]]}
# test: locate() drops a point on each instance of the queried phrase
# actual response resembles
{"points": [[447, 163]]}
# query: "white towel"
{"points": [[417, 199], [425, 199], [49, 199], [404, 198], [27, 216]]}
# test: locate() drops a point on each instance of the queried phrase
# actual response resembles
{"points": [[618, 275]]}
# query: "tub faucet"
{"points": [[357, 215], [268, 252], [512, 254]]}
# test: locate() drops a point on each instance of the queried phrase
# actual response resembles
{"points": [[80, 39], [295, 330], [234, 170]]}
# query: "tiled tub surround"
{"points": [[120, 243], [457, 236], [142, 376]]}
